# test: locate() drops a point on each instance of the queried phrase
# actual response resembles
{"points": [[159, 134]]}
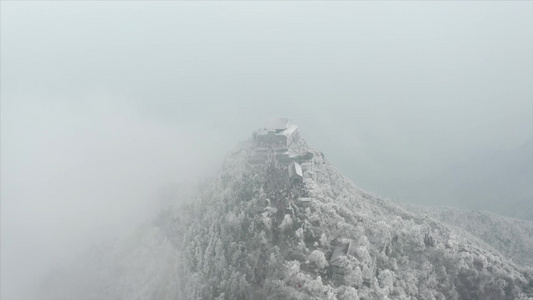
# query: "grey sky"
{"points": [[103, 102]]}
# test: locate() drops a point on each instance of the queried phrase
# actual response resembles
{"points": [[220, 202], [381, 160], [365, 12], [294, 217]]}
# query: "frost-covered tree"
{"points": [[318, 258]]}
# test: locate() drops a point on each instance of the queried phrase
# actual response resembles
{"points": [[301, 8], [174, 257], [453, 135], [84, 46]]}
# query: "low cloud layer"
{"points": [[104, 103]]}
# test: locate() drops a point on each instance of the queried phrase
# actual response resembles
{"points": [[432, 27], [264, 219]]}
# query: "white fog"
{"points": [[104, 104]]}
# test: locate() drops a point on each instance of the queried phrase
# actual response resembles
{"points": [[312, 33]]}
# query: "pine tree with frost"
{"points": [[286, 224], [318, 258]]}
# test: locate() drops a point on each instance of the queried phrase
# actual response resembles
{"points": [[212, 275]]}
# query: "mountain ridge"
{"points": [[252, 233]]}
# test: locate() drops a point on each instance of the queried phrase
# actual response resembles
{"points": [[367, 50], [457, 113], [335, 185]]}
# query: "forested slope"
{"points": [[247, 236]]}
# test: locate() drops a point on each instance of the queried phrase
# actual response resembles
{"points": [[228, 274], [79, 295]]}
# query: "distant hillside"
{"points": [[500, 182], [512, 237]]}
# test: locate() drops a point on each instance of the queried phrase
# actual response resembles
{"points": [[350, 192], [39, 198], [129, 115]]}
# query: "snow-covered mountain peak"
{"points": [[281, 222]]}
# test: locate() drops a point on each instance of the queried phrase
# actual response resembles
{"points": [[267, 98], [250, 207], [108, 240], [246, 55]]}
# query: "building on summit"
{"points": [[279, 132]]}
